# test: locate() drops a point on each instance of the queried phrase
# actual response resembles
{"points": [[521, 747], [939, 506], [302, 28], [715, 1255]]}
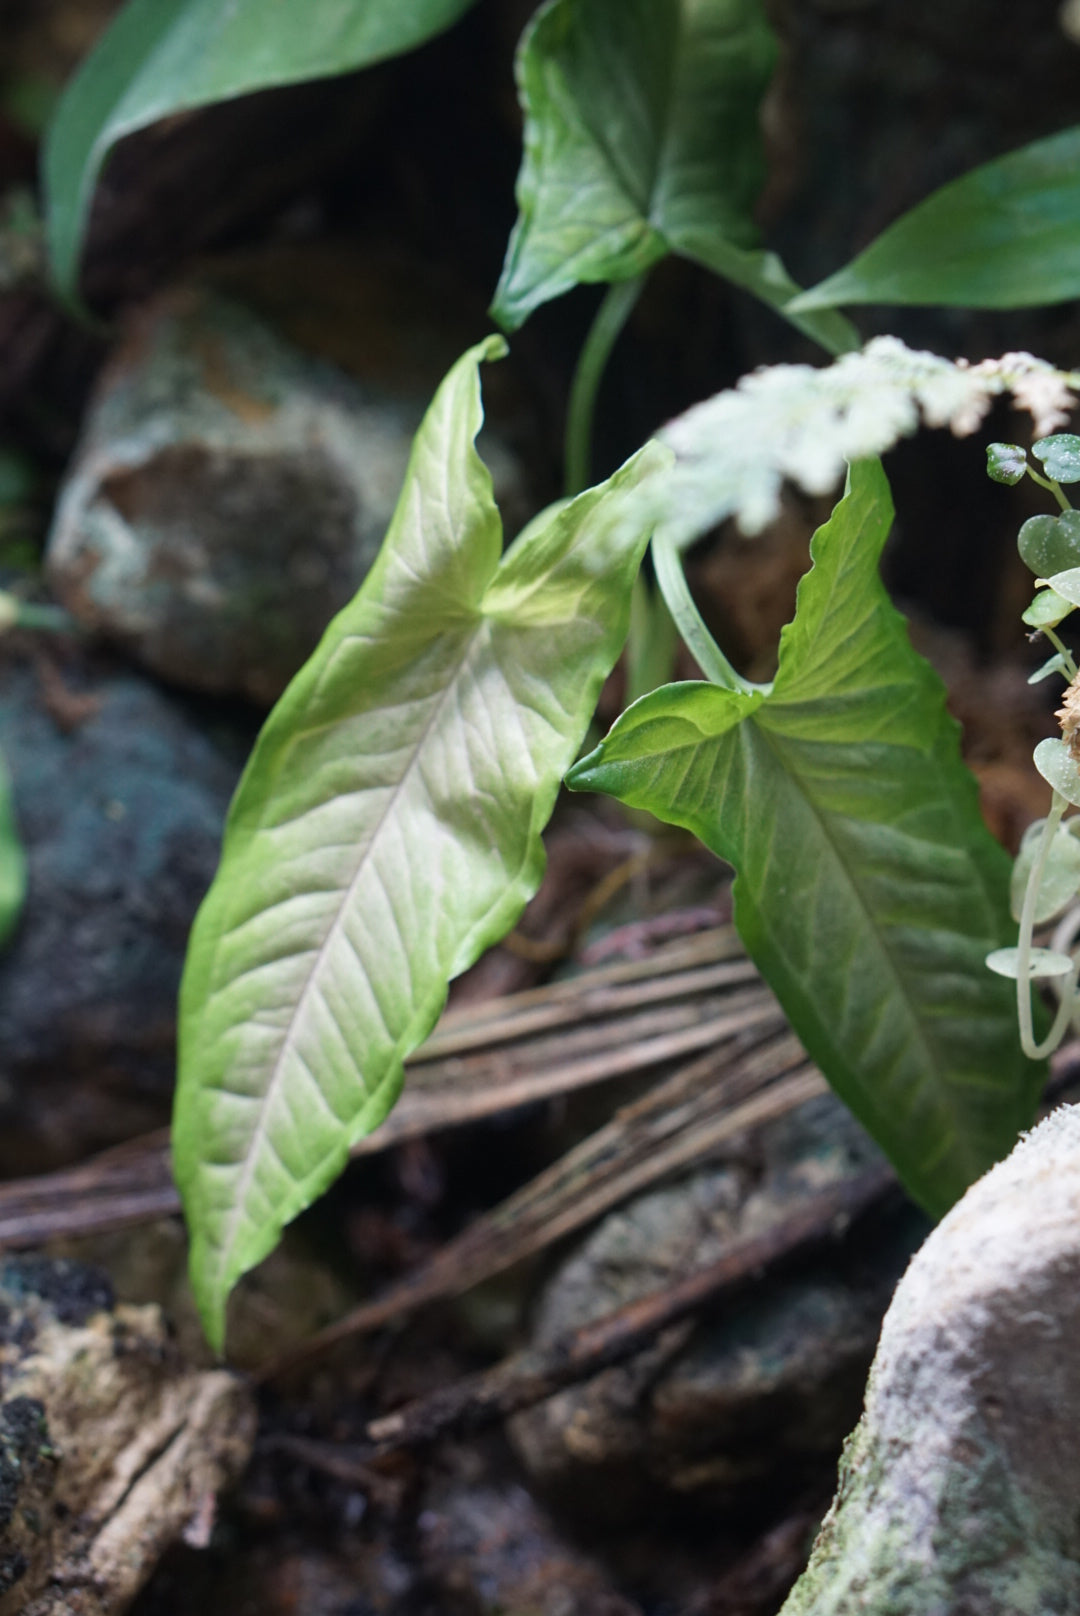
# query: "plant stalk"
{"points": [[1031, 1049], [611, 316]]}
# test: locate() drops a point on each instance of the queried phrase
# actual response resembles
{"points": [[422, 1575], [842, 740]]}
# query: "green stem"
{"points": [[671, 578], [1053, 487], [1031, 1049], [51, 618], [1063, 652], [609, 320]]}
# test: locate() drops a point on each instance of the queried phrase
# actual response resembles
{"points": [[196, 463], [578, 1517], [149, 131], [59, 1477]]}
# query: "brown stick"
{"points": [[683, 1119], [530, 1377]]}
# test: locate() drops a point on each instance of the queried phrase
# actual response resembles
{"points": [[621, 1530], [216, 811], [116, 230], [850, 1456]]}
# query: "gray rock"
{"points": [[958, 1491], [768, 1390], [121, 815], [228, 496]]}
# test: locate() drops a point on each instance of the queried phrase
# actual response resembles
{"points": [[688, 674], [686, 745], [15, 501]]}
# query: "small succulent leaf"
{"points": [[1060, 455], [868, 890], [160, 57], [641, 126], [1003, 236], [1055, 664], [1066, 584], [1061, 873], [1005, 462], [1044, 962], [387, 829], [1050, 544], [1047, 610], [1059, 768]]}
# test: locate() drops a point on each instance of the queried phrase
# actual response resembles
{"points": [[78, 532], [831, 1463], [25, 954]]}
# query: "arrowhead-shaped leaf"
{"points": [[1006, 235], [387, 829], [868, 890], [641, 124], [164, 56]]}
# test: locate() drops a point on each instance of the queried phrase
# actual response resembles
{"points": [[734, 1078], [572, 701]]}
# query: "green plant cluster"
{"points": [[387, 828]]}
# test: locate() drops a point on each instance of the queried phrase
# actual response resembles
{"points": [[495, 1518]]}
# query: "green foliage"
{"points": [[1061, 873], [641, 122], [12, 862], [160, 57], [868, 890], [1006, 235], [1050, 544], [1060, 456], [1006, 462], [387, 829]]}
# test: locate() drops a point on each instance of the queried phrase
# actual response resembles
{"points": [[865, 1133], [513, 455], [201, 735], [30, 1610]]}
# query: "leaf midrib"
{"points": [[932, 1056], [248, 1165]]}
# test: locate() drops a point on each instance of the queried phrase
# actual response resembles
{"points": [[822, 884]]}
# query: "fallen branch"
{"points": [[679, 1122], [527, 1378]]}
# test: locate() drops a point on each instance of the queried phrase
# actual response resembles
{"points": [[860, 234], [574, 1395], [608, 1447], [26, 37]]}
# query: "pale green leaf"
{"points": [[387, 829], [1059, 769], [1066, 585], [1047, 610], [1043, 963], [160, 57], [1060, 455], [642, 130], [1054, 664], [1006, 235], [1049, 544], [868, 890], [1061, 872]]}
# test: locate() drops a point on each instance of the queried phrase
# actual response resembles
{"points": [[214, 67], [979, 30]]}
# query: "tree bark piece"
{"points": [[111, 1447]]}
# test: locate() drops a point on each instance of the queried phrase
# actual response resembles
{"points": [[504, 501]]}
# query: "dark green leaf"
{"points": [[1006, 235], [1060, 456], [1049, 544], [164, 56], [868, 890], [1005, 462], [642, 130], [387, 829]]}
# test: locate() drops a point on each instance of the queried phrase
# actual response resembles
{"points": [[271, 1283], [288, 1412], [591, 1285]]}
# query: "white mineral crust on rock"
{"points": [[959, 1492]]}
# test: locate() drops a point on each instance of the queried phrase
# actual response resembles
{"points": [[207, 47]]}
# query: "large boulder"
{"points": [[958, 1491], [120, 797], [228, 495]]}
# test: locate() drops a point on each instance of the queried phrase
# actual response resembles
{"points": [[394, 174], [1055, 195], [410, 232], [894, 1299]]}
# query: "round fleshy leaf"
{"points": [[1059, 769], [1061, 873], [1044, 962], [1050, 544], [1067, 585], [1005, 462], [1060, 456], [1047, 610]]}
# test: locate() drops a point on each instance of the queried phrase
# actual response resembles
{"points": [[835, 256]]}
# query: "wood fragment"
{"points": [[529, 1377], [678, 1123], [481, 1061]]}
